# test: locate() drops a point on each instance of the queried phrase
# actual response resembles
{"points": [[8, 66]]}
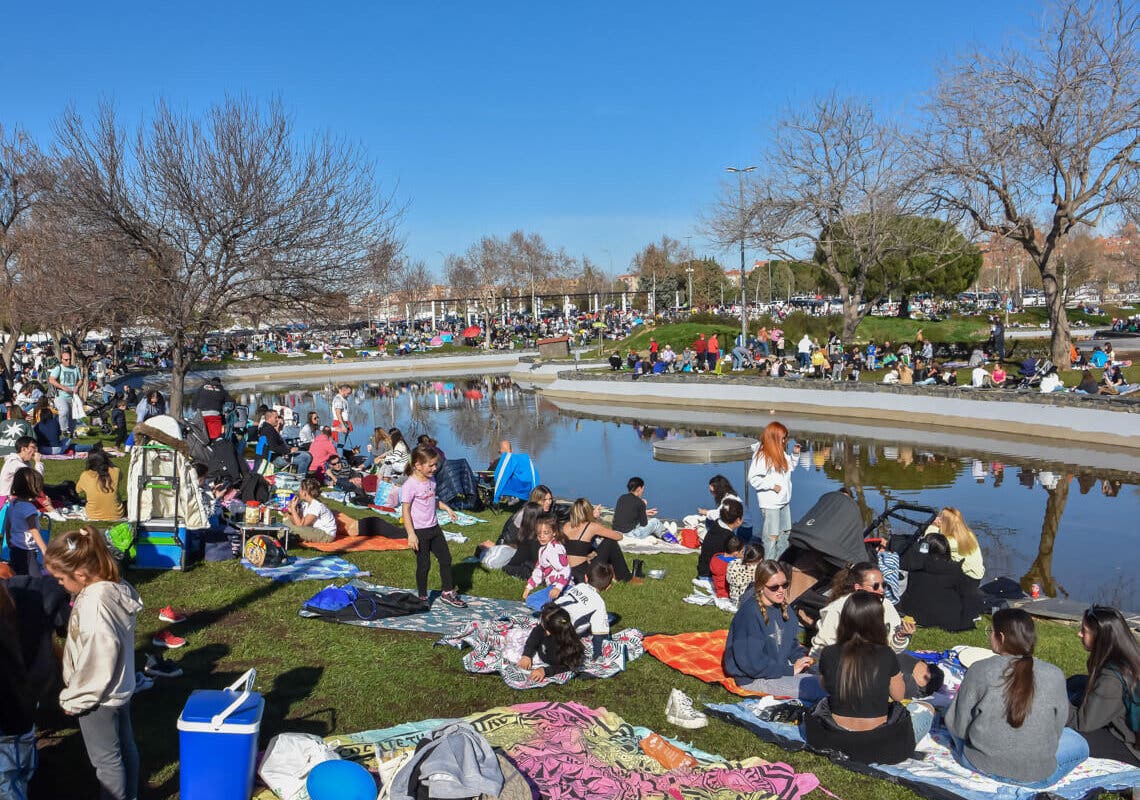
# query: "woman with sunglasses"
{"points": [[763, 652], [1100, 715], [1008, 719], [862, 715], [865, 577]]}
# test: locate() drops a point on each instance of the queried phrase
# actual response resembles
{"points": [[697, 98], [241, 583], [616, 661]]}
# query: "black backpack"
{"points": [[254, 487]]}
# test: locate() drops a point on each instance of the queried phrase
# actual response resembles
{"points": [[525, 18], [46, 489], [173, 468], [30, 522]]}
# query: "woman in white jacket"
{"points": [[770, 474]]}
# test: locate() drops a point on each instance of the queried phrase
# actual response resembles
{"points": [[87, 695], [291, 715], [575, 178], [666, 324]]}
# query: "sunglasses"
{"points": [[875, 586], [778, 587]]}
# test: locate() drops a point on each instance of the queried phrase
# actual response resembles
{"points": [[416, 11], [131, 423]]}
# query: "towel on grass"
{"points": [[458, 518], [936, 774], [700, 654], [442, 619], [318, 568], [357, 544], [497, 647], [569, 751]]}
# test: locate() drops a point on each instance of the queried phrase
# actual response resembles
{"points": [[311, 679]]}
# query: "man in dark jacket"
{"points": [[210, 400], [938, 594], [275, 448]]}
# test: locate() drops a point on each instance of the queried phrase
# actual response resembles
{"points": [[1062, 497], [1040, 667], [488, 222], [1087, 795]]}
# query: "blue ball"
{"points": [[340, 780]]}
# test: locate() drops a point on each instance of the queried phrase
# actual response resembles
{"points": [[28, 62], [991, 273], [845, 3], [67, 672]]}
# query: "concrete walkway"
{"points": [[1108, 423]]}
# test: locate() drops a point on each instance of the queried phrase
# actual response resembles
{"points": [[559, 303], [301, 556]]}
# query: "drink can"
{"points": [[1035, 591]]}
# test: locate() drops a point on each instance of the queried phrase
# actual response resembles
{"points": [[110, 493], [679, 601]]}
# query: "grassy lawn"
{"points": [[323, 678]]}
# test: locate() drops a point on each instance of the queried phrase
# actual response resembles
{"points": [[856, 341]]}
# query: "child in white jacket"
{"points": [[770, 474], [99, 657]]}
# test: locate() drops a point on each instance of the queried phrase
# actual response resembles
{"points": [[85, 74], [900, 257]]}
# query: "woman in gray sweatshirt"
{"points": [[1008, 719], [1114, 670]]}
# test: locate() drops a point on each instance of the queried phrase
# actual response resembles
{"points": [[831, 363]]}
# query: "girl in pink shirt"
{"points": [[417, 496], [552, 567]]}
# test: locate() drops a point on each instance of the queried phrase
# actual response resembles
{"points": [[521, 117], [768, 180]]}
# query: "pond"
{"points": [[1053, 514]]}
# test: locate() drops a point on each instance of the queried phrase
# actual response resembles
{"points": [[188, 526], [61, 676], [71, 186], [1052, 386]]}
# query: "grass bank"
{"points": [[323, 679]]}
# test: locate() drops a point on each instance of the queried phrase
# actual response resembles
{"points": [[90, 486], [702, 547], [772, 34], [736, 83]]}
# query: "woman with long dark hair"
{"points": [[862, 715], [1008, 718], [99, 483], [770, 474], [526, 543], [1099, 713], [762, 652], [721, 489]]}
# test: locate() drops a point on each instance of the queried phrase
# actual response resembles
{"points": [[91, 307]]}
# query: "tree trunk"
{"points": [[851, 318], [1058, 318], [181, 366], [10, 345]]}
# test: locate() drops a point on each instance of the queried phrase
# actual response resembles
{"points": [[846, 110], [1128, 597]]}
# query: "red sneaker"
{"points": [[168, 614], [167, 639]]}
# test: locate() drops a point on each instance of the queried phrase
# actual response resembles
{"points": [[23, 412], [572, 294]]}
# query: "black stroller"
{"points": [[1031, 372], [832, 536]]}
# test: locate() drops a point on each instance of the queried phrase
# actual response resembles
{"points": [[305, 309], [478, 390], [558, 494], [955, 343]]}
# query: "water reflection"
{"points": [[1031, 525]]}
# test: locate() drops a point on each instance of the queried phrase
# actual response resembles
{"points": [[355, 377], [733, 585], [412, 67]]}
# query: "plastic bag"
{"points": [[288, 760], [77, 409], [497, 556]]}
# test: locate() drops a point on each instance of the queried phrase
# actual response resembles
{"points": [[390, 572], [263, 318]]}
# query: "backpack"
{"points": [[254, 487], [1131, 702], [264, 551]]}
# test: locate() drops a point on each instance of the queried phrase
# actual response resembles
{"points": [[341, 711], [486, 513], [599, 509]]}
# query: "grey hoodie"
{"points": [[99, 657]]}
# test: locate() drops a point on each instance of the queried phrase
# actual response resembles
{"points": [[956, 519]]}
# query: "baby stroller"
{"points": [[1032, 370], [831, 536], [99, 417]]}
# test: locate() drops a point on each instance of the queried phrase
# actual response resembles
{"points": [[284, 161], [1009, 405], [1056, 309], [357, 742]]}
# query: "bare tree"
{"points": [[835, 174], [25, 177], [225, 212], [1046, 132]]}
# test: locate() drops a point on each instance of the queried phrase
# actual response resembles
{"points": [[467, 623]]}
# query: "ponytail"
{"points": [[1017, 637], [84, 549]]}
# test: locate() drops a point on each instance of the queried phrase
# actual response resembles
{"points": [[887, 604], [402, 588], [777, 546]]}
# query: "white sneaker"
{"points": [[55, 515], [697, 599], [725, 604], [702, 583], [680, 712]]}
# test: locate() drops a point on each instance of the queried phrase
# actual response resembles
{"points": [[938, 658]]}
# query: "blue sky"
{"points": [[600, 126]]}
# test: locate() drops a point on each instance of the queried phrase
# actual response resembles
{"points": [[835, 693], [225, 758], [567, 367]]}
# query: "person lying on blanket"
{"points": [[862, 715], [553, 644], [762, 652], [587, 610]]}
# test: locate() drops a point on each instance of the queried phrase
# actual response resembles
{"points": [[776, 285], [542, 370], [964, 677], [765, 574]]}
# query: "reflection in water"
{"points": [[581, 454]]}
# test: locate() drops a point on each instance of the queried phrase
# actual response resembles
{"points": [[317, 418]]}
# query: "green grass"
{"points": [[323, 678]]}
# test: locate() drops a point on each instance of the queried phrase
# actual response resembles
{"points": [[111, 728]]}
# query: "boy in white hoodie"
{"points": [[99, 657]]}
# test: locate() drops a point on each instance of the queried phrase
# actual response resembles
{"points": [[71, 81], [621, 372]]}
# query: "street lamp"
{"points": [[743, 229]]}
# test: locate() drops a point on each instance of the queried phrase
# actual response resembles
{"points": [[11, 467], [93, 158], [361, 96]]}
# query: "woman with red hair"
{"points": [[770, 474]]}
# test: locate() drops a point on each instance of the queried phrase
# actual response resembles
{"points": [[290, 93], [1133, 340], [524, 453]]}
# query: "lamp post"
{"points": [[743, 283]]}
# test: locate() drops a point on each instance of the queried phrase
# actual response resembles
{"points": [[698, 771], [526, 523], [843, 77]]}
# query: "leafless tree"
{"points": [[25, 178], [225, 211], [1050, 131], [835, 174]]}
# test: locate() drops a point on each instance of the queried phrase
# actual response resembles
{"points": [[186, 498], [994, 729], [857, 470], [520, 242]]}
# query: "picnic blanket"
{"points": [[699, 654], [458, 518], [358, 544], [318, 568], [442, 619], [497, 646], [936, 774], [569, 751]]}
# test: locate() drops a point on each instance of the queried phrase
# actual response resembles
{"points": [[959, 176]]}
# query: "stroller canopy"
{"points": [[161, 480], [515, 476], [834, 528]]}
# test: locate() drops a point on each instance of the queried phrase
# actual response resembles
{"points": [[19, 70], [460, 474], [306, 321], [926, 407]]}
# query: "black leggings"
{"points": [[608, 552], [432, 543], [23, 562]]}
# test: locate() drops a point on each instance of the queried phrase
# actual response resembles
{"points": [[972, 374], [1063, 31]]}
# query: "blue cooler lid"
{"points": [[204, 704]]}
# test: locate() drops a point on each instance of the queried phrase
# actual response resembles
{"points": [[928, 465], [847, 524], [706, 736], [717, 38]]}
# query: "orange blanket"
{"points": [[356, 544], [699, 654]]}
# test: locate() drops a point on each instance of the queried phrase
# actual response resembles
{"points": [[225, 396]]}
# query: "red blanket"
{"points": [[699, 654]]}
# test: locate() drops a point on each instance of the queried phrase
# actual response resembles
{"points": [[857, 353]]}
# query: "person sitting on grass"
{"points": [[938, 593], [632, 518], [553, 647], [587, 610], [1008, 719], [862, 715], [321, 449], [552, 568], [717, 535], [762, 652], [718, 566], [307, 517], [861, 577], [964, 547], [741, 573], [1099, 712], [100, 483], [589, 540], [49, 434]]}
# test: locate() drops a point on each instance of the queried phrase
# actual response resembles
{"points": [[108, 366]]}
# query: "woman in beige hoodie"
{"points": [[99, 657]]}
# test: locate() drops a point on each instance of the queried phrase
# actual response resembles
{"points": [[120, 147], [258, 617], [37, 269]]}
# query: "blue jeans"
{"points": [[777, 527], [654, 527], [1072, 749], [921, 719], [64, 446], [301, 458], [804, 687]]}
